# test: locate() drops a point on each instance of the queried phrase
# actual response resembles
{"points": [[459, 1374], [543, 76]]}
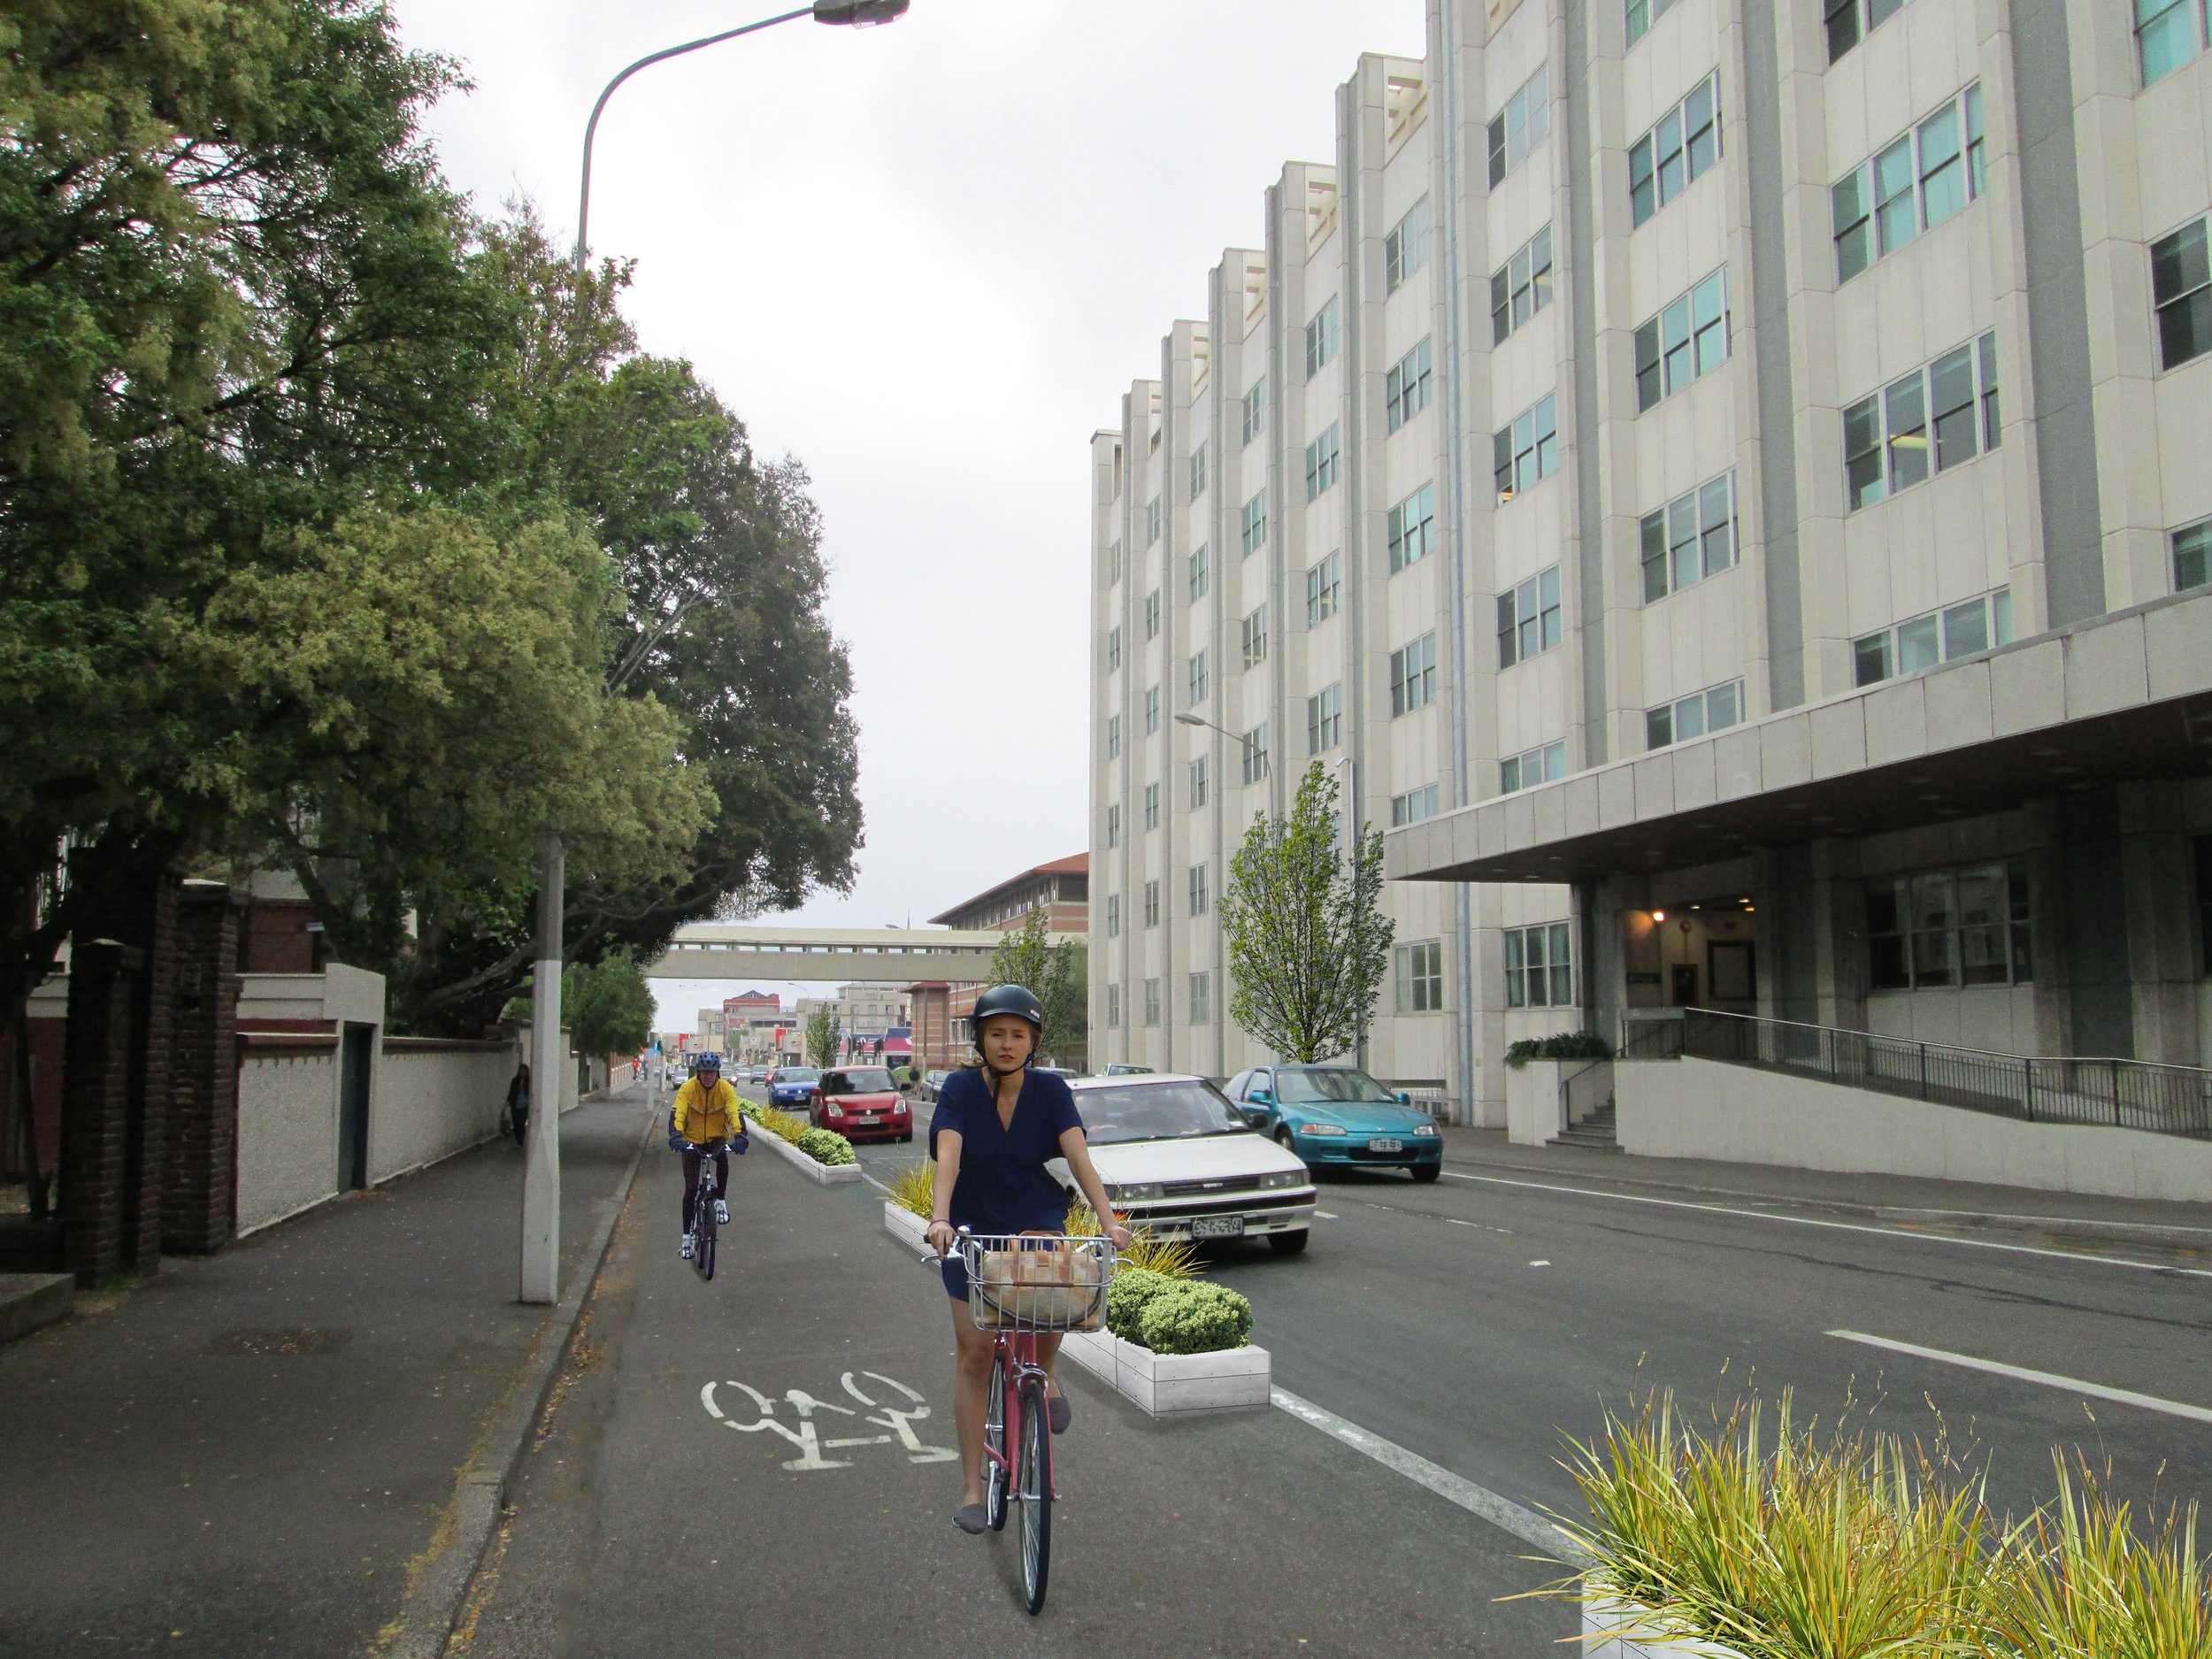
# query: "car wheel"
{"points": [[1288, 1243], [907, 1139], [1424, 1172]]}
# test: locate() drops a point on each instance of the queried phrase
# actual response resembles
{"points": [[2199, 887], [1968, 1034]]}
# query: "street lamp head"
{"points": [[1188, 720], [860, 14]]}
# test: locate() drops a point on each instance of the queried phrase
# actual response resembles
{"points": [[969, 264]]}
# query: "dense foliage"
{"points": [[1560, 1045], [1055, 975], [823, 1034]]}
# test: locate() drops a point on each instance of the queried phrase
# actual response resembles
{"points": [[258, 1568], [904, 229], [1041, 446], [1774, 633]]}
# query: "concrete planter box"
{"points": [[1533, 1111], [905, 1226], [825, 1174], [1168, 1385], [1605, 1627]]}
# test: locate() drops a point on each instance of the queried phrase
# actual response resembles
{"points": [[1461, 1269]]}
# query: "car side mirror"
{"points": [[1260, 1097], [1405, 1097]]}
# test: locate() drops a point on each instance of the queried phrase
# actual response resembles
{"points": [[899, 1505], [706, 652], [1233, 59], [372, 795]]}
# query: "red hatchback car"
{"points": [[861, 1101]]}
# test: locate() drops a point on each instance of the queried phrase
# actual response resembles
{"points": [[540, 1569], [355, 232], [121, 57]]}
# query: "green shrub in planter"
{"points": [[826, 1146], [1126, 1297], [1194, 1317], [1560, 1045]]}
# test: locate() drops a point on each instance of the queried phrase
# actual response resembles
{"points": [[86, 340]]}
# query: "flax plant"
{"points": [[913, 1187], [1169, 1258], [783, 1125]]}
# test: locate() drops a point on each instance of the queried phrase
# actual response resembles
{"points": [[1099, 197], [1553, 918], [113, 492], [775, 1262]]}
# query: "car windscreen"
{"points": [[798, 1074], [1331, 1083], [1156, 1111], [875, 1081]]}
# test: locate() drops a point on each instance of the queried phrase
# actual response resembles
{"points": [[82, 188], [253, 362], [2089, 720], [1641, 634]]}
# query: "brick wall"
{"points": [[95, 1108], [199, 1189]]}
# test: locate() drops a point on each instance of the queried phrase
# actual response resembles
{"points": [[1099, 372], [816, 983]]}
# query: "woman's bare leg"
{"points": [[971, 1383]]}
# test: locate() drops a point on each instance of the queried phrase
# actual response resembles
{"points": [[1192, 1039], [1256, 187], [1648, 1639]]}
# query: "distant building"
{"points": [[1061, 890]]}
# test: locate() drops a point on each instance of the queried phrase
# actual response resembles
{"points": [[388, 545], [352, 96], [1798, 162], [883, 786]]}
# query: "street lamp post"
{"points": [[542, 1174]]}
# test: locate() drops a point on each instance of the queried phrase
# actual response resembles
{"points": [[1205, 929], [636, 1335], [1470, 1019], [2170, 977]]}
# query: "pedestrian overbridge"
{"points": [[887, 955]]}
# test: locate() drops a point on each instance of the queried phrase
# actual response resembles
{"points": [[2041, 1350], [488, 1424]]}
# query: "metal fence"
{"points": [[2175, 1099]]}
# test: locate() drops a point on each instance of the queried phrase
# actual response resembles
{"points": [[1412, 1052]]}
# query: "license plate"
{"points": [[1216, 1227], [863, 1117], [1385, 1146]]}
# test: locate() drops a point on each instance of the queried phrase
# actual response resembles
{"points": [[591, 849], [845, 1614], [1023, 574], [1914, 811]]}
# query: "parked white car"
{"points": [[1176, 1158]]}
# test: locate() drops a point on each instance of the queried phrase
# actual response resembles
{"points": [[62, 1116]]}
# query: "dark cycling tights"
{"points": [[691, 1156]]}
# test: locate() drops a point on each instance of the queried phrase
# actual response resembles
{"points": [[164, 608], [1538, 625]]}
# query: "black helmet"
{"points": [[1008, 999]]}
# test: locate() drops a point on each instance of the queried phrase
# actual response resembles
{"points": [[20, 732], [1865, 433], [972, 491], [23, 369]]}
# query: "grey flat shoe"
{"points": [[969, 1517], [1057, 1411]]}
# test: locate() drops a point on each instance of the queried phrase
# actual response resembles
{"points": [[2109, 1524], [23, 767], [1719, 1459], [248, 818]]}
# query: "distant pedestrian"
{"points": [[519, 1102]]}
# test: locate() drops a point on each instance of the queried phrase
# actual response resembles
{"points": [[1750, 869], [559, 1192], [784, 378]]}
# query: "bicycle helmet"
{"points": [[711, 1061], [1009, 999]]}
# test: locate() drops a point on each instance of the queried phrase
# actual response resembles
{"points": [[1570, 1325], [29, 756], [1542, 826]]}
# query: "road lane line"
{"points": [[2021, 1373], [1840, 1226], [1525, 1524]]}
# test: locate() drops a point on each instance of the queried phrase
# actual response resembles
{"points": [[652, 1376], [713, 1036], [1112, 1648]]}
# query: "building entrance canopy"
{"points": [[2128, 696]]}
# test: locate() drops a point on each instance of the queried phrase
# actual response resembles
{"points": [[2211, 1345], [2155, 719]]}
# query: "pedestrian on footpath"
{"points": [[519, 1102], [704, 1123]]}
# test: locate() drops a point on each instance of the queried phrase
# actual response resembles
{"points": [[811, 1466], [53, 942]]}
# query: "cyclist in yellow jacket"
{"points": [[704, 1122]]}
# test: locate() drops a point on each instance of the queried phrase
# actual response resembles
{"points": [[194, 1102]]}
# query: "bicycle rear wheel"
{"points": [[1034, 1488], [994, 1440], [703, 1258]]}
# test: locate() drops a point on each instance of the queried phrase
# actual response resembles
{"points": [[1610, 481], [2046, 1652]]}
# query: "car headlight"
{"points": [[1425, 1129], [1281, 1178], [1137, 1193], [1320, 1129]]}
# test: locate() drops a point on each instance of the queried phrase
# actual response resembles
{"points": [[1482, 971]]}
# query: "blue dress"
{"points": [[1003, 1185]]}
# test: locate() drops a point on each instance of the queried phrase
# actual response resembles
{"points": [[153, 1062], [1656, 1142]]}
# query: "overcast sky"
{"points": [[926, 259]]}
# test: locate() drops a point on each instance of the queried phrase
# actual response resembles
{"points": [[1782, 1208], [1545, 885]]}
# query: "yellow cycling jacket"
{"points": [[702, 1113]]}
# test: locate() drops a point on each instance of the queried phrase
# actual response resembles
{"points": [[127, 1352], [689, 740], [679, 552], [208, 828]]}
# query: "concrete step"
{"points": [[1583, 1138], [29, 1301]]}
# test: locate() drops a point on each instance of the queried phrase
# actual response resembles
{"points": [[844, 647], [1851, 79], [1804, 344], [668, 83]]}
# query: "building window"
{"points": [[2204, 902], [1915, 646], [1886, 445], [1911, 185], [2181, 288], [1520, 126], [1113, 737], [1113, 649], [1407, 388], [1152, 615], [1253, 632], [1413, 806], [1420, 975], [2192, 557], [1538, 766], [1152, 521], [1255, 745], [1151, 1001], [1113, 826], [1201, 987], [1198, 679], [1113, 1006], [1529, 622], [1252, 527], [1324, 720], [1413, 676], [1690, 538], [1521, 286], [1199, 574], [1407, 246], [1113, 564], [1680, 149], [1324, 589], [1687, 340], [1539, 966], [1152, 903], [1198, 889], [1321, 462], [1199, 773], [1152, 806], [1321, 339], [1941, 929], [1198, 472], [1255, 409], [1850, 21], [2166, 36], [1113, 916], [1713, 710], [1151, 710], [1526, 451], [1412, 524], [1642, 14]]}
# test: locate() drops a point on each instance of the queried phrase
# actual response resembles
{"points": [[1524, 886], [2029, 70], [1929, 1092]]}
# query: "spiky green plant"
{"points": [[913, 1186], [1169, 1258]]}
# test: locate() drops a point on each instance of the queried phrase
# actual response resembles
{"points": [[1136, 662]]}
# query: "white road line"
{"points": [[1840, 1226], [1523, 1524], [2021, 1373]]}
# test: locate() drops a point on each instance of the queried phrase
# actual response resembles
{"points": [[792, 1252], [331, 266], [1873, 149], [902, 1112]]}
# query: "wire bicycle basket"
{"points": [[1037, 1281]]}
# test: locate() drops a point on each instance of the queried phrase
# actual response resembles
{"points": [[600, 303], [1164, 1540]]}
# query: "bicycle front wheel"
{"points": [[1033, 1475], [995, 1443], [705, 1260]]}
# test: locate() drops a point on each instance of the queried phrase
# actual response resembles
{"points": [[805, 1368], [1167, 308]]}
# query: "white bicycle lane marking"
{"points": [[804, 1433]]}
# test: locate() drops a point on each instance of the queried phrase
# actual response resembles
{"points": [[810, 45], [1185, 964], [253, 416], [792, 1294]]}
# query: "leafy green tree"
{"points": [[824, 1032], [609, 1005], [1056, 975], [1308, 941]]}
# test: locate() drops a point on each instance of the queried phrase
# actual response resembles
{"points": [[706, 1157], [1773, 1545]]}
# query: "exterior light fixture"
{"points": [[860, 14], [1188, 720], [1658, 916]]}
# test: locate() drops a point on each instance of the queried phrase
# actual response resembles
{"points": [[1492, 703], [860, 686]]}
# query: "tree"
{"points": [[824, 1032], [608, 1004], [1308, 941], [1056, 974]]}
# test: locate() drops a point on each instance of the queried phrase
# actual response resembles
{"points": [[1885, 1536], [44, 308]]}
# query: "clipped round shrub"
{"points": [[1126, 1297], [1192, 1317], [826, 1146]]}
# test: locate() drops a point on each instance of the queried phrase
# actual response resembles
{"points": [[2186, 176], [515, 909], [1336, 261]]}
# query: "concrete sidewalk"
{"points": [[252, 1453], [1891, 1198]]}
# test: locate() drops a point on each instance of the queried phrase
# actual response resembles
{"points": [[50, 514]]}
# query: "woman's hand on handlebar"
{"points": [[940, 1237], [1121, 1236]]}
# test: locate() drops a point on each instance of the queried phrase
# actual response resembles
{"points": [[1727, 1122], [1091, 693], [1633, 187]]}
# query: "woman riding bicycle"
{"points": [[704, 1121], [996, 1128]]}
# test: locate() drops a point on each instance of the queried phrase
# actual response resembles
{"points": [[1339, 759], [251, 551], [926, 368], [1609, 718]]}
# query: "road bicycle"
{"points": [[702, 1222], [1019, 1287]]}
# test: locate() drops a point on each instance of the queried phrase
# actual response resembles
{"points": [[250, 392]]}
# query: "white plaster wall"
{"points": [[1533, 1113], [431, 1103], [1702, 1109], [288, 1135]]}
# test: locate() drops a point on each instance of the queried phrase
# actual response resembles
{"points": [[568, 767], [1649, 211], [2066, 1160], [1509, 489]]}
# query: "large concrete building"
{"points": [[1746, 557]]}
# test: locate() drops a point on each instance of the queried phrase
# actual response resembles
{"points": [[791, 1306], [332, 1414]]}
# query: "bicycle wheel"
{"points": [[703, 1259], [995, 1438], [1032, 1488]]}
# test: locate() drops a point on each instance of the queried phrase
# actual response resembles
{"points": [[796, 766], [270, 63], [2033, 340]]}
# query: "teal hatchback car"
{"points": [[1335, 1115]]}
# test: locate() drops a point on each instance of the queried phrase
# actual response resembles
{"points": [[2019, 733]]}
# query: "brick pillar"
{"points": [[200, 1189], [98, 1092]]}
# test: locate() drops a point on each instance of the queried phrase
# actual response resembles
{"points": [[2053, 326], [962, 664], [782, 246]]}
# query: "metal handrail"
{"points": [[2144, 1094]]}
